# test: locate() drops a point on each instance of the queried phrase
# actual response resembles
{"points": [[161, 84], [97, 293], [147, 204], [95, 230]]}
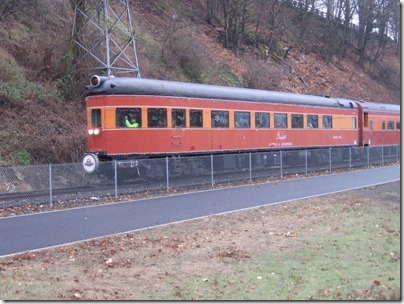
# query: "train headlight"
{"points": [[94, 131]]}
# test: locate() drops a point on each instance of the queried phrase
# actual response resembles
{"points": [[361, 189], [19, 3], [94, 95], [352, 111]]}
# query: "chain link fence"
{"points": [[46, 184]]}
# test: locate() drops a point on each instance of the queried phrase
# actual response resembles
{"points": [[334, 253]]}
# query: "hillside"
{"points": [[42, 113]]}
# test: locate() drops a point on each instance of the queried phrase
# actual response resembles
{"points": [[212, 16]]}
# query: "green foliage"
{"points": [[22, 157], [10, 153], [14, 84], [20, 91], [224, 76]]}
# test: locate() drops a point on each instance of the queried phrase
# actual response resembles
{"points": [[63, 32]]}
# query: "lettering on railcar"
{"points": [[281, 136]]}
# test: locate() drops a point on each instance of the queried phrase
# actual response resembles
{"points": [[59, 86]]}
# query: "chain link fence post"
{"points": [[167, 176], [281, 162], [250, 164], [306, 160], [116, 178], [211, 170], [382, 156], [330, 158], [350, 158], [368, 152], [50, 187]]}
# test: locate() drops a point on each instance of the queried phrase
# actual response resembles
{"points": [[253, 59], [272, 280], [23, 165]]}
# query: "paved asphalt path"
{"points": [[36, 231]]}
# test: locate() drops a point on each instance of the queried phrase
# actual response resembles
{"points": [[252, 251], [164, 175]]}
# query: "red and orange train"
{"points": [[131, 118]]}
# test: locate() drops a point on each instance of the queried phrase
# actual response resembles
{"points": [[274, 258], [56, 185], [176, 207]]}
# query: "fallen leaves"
{"points": [[24, 256], [77, 295], [394, 257], [326, 292], [109, 263]]}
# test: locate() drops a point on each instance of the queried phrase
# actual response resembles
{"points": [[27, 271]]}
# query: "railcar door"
{"points": [[95, 134], [360, 124]]}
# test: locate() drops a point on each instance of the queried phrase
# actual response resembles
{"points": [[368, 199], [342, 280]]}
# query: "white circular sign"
{"points": [[90, 163]]}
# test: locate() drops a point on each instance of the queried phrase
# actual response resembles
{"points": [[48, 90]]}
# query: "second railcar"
{"points": [[379, 124]]}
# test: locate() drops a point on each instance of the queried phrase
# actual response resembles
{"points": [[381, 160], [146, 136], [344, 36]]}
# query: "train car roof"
{"points": [[100, 85], [153, 87], [382, 107]]}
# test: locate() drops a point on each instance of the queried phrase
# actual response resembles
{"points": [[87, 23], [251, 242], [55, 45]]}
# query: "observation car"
{"points": [[180, 119]]}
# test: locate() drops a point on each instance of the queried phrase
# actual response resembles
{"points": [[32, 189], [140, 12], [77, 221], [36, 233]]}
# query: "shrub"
{"points": [[260, 75], [14, 84]]}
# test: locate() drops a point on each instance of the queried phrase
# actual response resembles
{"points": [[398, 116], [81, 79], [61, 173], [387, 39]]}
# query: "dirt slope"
{"points": [[40, 118]]}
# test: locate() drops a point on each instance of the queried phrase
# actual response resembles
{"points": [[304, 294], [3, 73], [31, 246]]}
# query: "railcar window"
{"points": [[383, 125], [96, 118], [196, 118], [327, 122], [261, 120], [390, 125], [281, 121], [354, 123], [157, 118], [242, 120], [297, 121], [178, 118], [220, 119], [366, 120], [398, 125], [312, 121], [128, 117]]}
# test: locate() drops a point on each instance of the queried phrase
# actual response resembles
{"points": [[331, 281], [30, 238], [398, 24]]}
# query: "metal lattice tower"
{"points": [[103, 37]]}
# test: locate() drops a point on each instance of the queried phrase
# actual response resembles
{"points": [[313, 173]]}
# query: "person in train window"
{"points": [[130, 122]]}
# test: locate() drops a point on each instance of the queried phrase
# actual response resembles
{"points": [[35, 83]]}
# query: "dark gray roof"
{"points": [[382, 107], [138, 86]]}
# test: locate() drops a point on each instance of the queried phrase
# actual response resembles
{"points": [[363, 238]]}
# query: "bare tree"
{"points": [[211, 8], [306, 17], [276, 28], [366, 18], [234, 19], [384, 13], [394, 26], [335, 39], [349, 8]]}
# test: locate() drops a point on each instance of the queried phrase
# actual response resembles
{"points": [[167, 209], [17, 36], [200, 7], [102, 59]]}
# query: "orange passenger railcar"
{"points": [[380, 124], [131, 117]]}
